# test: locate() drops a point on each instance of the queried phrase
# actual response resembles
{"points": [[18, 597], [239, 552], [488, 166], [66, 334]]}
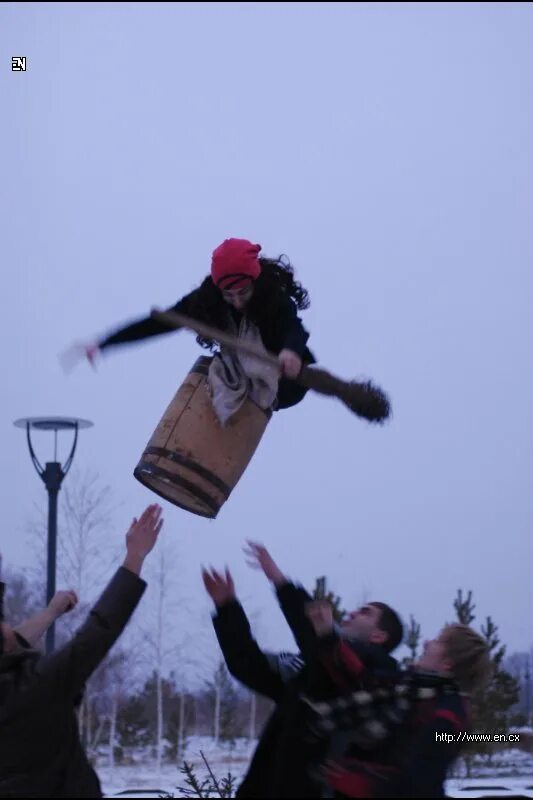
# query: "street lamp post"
{"points": [[527, 677], [52, 476]]}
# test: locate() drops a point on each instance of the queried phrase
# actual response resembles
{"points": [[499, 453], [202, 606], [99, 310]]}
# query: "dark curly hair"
{"points": [[272, 289]]}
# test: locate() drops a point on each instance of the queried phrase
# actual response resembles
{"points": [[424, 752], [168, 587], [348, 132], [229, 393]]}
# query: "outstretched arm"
{"points": [[293, 599], [243, 656], [140, 329], [145, 327], [35, 627], [70, 666]]}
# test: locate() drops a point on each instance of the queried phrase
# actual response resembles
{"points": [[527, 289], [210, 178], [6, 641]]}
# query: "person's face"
{"points": [[11, 644], [363, 624], [239, 297], [434, 657]]}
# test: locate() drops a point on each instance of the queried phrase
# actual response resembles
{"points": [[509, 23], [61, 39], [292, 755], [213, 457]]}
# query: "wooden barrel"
{"points": [[192, 460]]}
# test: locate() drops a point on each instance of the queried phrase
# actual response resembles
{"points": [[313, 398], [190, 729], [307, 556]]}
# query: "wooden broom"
{"points": [[364, 399]]}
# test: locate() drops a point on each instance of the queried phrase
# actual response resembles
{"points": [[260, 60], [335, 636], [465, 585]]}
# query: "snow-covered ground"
{"points": [[510, 775], [493, 787], [222, 759]]}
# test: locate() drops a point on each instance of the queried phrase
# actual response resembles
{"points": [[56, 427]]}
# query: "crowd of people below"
{"points": [[348, 720]]}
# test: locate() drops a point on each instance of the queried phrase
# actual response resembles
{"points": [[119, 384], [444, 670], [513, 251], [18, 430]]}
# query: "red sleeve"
{"points": [[344, 665]]}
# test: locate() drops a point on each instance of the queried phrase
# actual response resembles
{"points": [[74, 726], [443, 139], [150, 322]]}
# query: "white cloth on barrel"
{"points": [[235, 376]]}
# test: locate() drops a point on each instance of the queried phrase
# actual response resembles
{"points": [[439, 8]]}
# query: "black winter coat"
{"points": [[287, 755], [284, 331], [40, 750]]}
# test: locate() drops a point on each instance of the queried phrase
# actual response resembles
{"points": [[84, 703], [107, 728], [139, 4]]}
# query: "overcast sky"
{"points": [[388, 150]]}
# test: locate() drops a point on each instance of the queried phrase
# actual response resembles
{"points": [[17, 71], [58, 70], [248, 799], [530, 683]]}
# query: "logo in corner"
{"points": [[18, 64]]}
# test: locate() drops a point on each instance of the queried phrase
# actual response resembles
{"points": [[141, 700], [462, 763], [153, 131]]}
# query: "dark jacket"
{"points": [[417, 758], [285, 331], [283, 763], [401, 736], [40, 750], [422, 763]]}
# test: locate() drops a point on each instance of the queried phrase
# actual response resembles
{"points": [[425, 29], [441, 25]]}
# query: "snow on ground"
{"points": [[508, 763], [222, 759], [510, 775], [493, 787]]}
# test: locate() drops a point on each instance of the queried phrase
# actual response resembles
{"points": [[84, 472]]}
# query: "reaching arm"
{"points": [[243, 656], [293, 599], [348, 663], [74, 663], [145, 327], [35, 627], [70, 666], [244, 659]]}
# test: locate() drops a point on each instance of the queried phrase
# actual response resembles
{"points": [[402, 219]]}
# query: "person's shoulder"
{"points": [[13, 663], [376, 656], [454, 701], [391, 664], [450, 711], [279, 296], [193, 293]]}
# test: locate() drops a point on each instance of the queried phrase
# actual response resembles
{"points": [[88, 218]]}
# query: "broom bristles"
{"points": [[364, 399], [367, 401]]}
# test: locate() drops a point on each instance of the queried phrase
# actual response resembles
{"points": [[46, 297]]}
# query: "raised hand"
{"points": [[320, 614], [220, 588], [142, 536], [62, 602], [76, 353], [258, 557], [91, 353], [290, 364]]}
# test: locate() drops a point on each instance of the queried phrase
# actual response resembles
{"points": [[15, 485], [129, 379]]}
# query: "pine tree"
{"points": [[412, 640], [133, 728], [198, 787], [492, 704], [464, 608]]}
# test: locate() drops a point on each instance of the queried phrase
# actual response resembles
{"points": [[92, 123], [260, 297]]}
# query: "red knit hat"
{"points": [[235, 261]]}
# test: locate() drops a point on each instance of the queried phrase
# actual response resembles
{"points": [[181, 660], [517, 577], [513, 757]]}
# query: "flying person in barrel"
{"points": [[256, 299]]}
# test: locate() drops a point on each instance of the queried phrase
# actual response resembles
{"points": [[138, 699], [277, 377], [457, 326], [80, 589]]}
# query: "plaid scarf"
{"points": [[371, 717]]}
